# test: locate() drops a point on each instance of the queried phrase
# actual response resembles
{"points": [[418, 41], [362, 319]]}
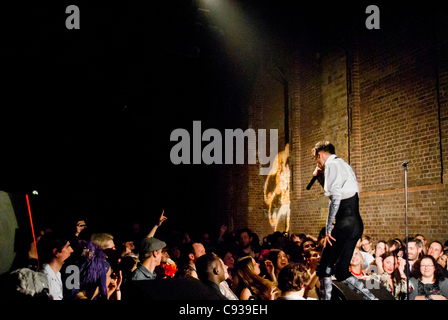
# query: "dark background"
{"points": [[87, 114]]}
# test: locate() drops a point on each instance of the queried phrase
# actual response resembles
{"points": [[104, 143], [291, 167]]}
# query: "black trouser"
{"points": [[347, 231]]}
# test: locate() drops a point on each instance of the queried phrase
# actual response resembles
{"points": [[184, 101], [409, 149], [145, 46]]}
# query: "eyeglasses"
{"points": [[427, 265]]}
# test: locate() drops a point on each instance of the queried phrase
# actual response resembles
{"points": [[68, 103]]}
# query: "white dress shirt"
{"points": [[340, 180], [54, 282]]}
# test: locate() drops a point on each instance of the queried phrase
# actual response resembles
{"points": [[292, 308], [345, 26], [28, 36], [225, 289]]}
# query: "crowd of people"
{"points": [[234, 265]]}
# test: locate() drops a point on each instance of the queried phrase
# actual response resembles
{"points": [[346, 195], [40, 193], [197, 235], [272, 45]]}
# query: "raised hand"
{"points": [[162, 218]]}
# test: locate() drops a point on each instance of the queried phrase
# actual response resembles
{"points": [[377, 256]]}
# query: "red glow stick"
{"points": [[32, 229]]}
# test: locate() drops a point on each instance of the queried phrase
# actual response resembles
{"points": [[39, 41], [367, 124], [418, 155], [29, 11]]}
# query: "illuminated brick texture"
{"points": [[381, 100]]}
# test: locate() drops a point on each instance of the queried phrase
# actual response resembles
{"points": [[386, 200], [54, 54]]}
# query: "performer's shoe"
{"points": [[326, 285], [358, 286]]}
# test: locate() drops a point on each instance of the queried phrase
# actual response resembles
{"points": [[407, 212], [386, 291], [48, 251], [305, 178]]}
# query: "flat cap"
{"points": [[151, 244]]}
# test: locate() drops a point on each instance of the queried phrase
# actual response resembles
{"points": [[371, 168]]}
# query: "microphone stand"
{"points": [[405, 165]]}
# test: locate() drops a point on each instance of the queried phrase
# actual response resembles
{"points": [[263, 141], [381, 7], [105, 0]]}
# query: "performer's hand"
{"points": [[327, 239], [317, 171]]}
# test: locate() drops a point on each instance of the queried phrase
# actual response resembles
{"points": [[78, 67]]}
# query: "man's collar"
{"points": [[330, 158], [145, 271]]}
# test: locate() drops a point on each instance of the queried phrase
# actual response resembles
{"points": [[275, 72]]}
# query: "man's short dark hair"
{"points": [[241, 231], [204, 265], [47, 243], [325, 146], [417, 242]]}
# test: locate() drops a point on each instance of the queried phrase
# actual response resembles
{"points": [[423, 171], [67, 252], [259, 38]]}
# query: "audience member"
{"points": [[192, 251], [393, 245], [436, 251], [307, 245], [210, 271], [297, 238], [94, 274], [186, 240], [294, 249], [428, 282], [174, 252], [413, 254], [249, 285], [126, 244], [424, 242], [26, 256], [380, 247], [207, 242], [224, 285], [293, 279], [113, 257], [187, 271], [150, 257], [400, 243], [103, 240], [312, 260], [223, 252], [366, 245], [128, 264], [245, 248], [53, 249], [356, 265], [367, 258], [393, 278], [277, 240], [289, 264], [443, 260], [276, 261]]}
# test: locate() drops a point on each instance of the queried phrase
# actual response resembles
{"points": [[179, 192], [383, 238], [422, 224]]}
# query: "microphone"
{"points": [[308, 187], [405, 164]]}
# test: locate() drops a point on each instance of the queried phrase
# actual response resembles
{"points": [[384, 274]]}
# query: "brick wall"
{"points": [[395, 110]]}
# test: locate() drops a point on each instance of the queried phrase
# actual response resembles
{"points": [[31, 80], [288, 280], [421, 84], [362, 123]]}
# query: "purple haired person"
{"points": [[94, 274]]}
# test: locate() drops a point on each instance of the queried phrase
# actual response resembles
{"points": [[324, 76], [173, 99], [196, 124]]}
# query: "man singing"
{"points": [[339, 183]]}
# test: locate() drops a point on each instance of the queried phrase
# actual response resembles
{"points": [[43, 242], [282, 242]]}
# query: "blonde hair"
{"points": [[360, 254], [101, 239]]}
